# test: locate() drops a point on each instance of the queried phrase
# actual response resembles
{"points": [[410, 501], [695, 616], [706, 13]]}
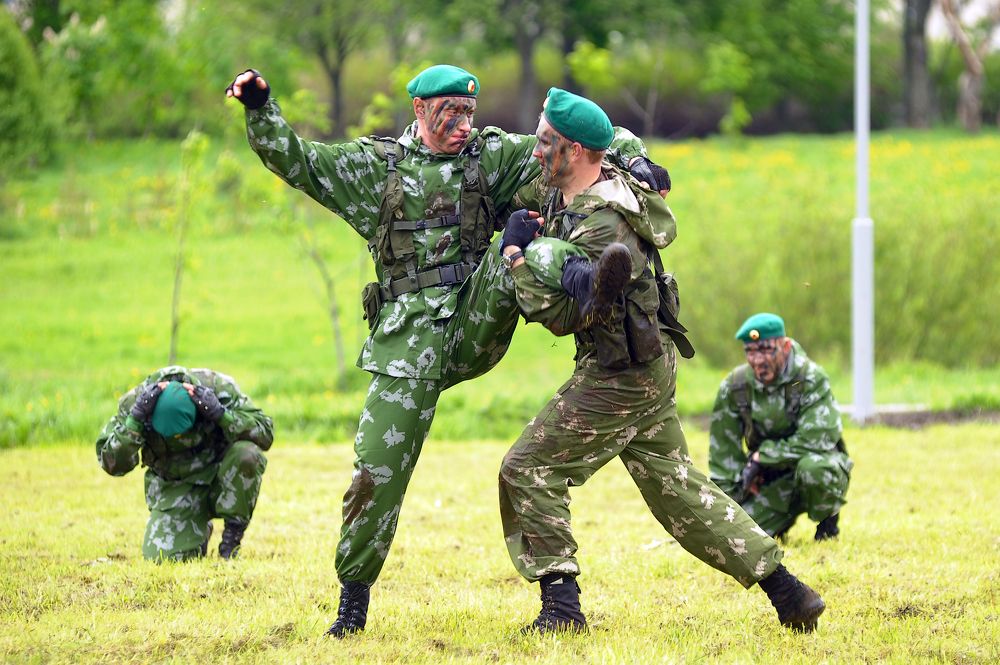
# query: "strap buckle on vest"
{"points": [[446, 275]]}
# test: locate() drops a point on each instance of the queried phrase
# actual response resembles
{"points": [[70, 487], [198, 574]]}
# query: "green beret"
{"points": [[578, 119], [761, 326], [174, 412], [441, 80]]}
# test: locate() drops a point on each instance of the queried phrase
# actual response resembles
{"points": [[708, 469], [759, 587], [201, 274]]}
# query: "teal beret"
{"points": [[443, 80], [174, 412], [761, 326], [578, 119]]}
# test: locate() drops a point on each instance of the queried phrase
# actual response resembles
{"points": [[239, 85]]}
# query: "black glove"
{"points": [[250, 95], [652, 174], [749, 476], [145, 402], [208, 405], [520, 230]]}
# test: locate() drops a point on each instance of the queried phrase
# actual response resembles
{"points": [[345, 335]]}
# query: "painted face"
{"points": [[444, 123], [767, 357], [553, 152]]}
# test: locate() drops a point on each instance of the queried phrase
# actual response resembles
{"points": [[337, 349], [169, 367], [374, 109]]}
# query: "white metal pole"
{"points": [[863, 233]]}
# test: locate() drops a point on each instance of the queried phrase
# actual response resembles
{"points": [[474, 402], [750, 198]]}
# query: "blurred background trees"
{"points": [[671, 68]]}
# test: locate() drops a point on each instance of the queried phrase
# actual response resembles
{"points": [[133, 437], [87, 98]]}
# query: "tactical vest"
{"points": [[156, 456], [392, 245], [793, 403], [631, 334]]}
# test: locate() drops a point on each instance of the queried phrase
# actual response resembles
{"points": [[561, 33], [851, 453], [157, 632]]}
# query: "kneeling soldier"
{"points": [[202, 441], [780, 406]]}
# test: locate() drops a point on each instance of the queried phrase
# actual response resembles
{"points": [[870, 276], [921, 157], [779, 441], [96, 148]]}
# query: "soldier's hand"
{"points": [[145, 402], [522, 227], [750, 477], [250, 88], [208, 404], [650, 173]]}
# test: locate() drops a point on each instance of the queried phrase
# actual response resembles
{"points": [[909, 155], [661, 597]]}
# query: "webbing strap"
{"points": [[454, 273], [421, 224]]}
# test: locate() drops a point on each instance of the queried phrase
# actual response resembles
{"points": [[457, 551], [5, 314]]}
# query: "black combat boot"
{"points": [[353, 611], [596, 286], [828, 527], [798, 606], [560, 606], [232, 536]]}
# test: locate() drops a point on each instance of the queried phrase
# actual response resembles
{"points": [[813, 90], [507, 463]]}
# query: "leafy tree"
{"points": [[26, 133], [917, 92]]}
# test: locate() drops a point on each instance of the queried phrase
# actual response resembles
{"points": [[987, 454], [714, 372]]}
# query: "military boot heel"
{"points": [[798, 605], [611, 275], [232, 536], [353, 611], [828, 528], [560, 606]]}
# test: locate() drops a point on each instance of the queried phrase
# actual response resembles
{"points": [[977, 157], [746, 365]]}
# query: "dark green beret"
{"points": [[578, 119], [761, 326], [174, 412], [443, 80]]}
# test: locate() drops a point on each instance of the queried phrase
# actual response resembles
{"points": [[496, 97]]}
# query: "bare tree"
{"points": [[970, 83], [917, 92]]}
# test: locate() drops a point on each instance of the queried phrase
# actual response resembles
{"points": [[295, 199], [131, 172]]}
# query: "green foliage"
{"points": [[26, 131], [729, 72], [381, 115], [912, 577], [88, 254]]}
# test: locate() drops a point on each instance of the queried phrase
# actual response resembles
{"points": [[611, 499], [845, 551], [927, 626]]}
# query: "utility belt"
{"points": [[375, 294]]}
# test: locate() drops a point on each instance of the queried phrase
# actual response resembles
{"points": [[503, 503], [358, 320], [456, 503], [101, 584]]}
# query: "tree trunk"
{"points": [[528, 104], [917, 93], [970, 83], [970, 101], [568, 44]]}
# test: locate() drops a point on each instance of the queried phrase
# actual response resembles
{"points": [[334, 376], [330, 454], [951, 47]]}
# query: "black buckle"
{"points": [[452, 273]]}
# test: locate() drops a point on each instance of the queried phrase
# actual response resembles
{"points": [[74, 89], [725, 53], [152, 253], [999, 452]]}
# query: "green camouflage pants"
{"points": [[817, 486], [398, 413], [631, 414], [179, 512]]}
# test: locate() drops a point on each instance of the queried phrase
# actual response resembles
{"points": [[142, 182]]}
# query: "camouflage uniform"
{"points": [[427, 339], [211, 471], [806, 467], [620, 402]]}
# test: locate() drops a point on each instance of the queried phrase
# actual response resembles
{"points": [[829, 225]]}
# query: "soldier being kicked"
{"points": [[443, 310], [620, 401], [780, 405], [201, 441]]}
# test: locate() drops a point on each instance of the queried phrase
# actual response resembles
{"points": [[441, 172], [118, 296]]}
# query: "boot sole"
{"points": [[614, 269], [808, 623]]}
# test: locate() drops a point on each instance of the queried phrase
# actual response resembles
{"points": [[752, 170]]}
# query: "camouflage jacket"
{"points": [[190, 457], [349, 179], [607, 211], [782, 443]]}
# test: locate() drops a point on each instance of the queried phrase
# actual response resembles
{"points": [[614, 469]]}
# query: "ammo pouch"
{"points": [[371, 302]]}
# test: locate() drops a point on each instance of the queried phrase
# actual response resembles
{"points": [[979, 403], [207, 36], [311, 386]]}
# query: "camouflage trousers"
{"points": [[179, 512], [631, 414], [398, 413], [817, 486]]}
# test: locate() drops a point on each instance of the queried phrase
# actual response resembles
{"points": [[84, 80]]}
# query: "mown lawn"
{"points": [[913, 577]]}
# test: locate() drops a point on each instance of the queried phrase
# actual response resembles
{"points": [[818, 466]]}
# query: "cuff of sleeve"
{"points": [[269, 106], [227, 419], [133, 424]]}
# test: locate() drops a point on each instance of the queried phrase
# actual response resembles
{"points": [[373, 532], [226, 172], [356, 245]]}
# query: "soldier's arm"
{"points": [[726, 456], [818, 428], [121, 439], [242, 421], [347, 178]]}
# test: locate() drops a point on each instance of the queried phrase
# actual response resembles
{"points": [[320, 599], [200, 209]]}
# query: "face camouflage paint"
{"points": [[553, 153], [448, 121], [767, 357]]}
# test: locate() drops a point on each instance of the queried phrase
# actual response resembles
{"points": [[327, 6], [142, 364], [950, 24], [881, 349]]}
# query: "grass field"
{"points": [[913, 577], [87, 252]]}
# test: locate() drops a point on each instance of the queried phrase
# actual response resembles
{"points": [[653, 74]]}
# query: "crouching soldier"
{"points": [[779, 405], [201, 441]]}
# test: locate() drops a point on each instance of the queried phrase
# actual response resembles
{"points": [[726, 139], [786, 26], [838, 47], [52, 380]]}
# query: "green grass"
{"points": [[87, 251], [913, 577]]}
